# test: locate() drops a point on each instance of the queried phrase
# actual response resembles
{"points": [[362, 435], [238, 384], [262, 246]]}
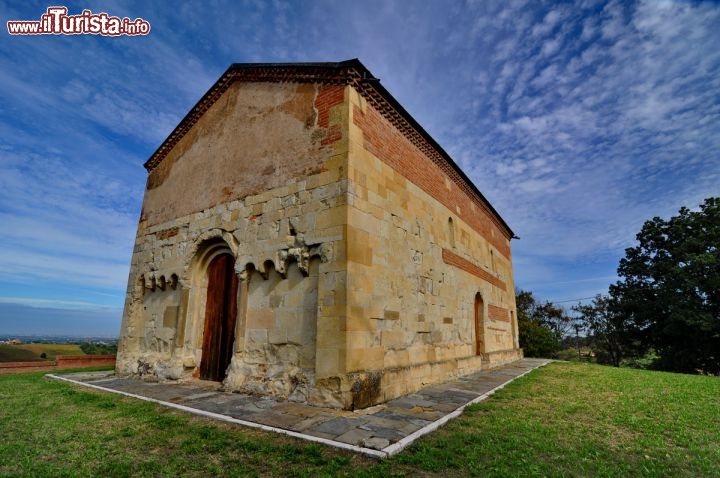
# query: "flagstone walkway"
{"points": [[381, 431]]}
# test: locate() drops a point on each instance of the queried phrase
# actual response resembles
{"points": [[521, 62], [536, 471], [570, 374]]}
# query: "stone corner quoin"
{"points": [[302, 237]]}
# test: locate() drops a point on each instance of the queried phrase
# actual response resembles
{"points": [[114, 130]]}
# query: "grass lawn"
{"points": [[562, 420], [32, 352]]}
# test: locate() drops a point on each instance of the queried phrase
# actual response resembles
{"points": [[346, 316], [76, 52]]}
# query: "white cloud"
{"points": [[551, 47], [548, 24], [545, 186], [515, 168], [51, 303]]}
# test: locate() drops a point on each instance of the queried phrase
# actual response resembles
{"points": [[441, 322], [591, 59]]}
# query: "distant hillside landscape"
{"points": [[35, 352], [17, 353], [39, 349]]}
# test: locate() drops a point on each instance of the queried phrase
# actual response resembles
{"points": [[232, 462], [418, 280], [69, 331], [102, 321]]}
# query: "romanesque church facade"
{"points": [[303, 237]]}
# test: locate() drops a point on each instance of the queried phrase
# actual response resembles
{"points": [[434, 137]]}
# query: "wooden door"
{"points": [[220, 316]]}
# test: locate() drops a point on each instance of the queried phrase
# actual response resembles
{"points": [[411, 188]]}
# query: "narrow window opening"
{"points": [[479, 324], [451, 232]]}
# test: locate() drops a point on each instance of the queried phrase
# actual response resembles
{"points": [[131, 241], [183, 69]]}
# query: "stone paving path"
{"points": [[380, 431]]}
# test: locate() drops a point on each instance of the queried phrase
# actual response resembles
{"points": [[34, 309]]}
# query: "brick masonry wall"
{"points": [[73, 361], [498, 314], [329, 96], [393, 148], [60, 363]]}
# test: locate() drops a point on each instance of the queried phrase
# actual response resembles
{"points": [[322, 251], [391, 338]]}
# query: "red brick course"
{"points": [[391, 146], [496, 329], [167, 233], [452, 259]]}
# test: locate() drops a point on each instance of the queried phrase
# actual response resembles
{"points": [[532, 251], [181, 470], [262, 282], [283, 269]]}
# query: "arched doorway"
{"points": [[220, 317], [479, 324]]}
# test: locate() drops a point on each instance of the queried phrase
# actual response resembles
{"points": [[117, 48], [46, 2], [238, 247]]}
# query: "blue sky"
{"points": [[577, 120]]}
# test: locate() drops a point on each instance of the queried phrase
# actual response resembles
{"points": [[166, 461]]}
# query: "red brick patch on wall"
{"points": [[327, 97], [452, 259], [391, 146], [167, 233], [498, 314]]}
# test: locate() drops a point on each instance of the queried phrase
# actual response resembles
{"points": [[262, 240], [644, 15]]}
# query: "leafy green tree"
{"points": [[670, 288], [614, 336], [541, 326]]}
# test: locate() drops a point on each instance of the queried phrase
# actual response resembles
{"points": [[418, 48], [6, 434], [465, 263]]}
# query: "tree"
{"points": [[98, 348], [670, 288], [614, 336], [541, 326]]}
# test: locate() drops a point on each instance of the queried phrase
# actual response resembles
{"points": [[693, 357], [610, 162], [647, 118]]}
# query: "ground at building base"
{"points": [[381, 431]]}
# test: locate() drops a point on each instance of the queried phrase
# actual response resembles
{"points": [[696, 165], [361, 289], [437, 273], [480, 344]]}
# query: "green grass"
{"points": [[32, 352], [562, 420], [584, 420]]}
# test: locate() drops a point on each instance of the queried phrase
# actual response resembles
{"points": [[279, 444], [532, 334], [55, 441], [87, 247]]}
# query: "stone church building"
{"points": [[303, 237]]}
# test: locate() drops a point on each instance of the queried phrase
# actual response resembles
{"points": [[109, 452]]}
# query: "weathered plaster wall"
{"points": [[254, 138], [263, 176], [410, 312]]}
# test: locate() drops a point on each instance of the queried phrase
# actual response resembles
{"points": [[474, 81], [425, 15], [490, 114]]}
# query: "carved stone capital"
{"points": [[281, 258], [150, 282], [302, 257], [243, 275]]}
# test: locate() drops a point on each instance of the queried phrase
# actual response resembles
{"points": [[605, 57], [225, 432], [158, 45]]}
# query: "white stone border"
{"points": [[384, 453]]}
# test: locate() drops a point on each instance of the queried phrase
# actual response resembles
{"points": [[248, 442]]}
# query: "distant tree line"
{"points": [[98, 348], [663, 313]]}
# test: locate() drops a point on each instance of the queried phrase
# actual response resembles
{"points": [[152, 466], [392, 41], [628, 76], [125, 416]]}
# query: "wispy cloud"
{"points": [[49, 303]]}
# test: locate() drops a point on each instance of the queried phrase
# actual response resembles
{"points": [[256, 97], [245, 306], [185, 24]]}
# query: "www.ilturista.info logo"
{"points": [[57, 22]]}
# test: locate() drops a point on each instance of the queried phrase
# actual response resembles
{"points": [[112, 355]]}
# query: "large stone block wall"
{"points": [[276, 355], [419, 250], [279, 207]]}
